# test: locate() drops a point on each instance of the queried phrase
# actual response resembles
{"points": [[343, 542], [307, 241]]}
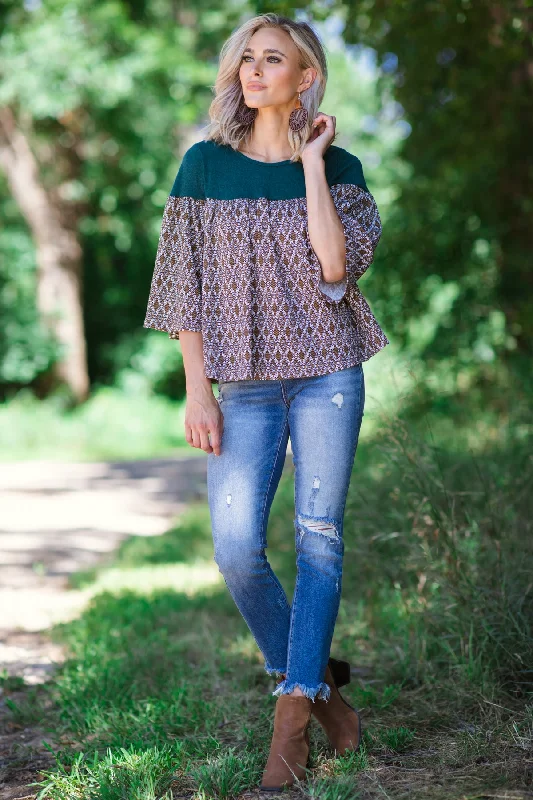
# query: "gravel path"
{"points": [[58, 518]]}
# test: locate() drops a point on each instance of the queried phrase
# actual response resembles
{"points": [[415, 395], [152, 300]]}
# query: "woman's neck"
{"points": [[262, 148]]}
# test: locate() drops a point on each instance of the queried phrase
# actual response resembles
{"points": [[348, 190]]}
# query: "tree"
{"points": [[459, 241], [91, 96]]}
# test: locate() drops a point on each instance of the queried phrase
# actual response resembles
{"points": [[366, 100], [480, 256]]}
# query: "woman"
{"points": [[266, 231]]}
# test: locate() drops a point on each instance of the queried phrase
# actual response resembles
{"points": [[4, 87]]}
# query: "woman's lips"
{"points": [[255, 87]]}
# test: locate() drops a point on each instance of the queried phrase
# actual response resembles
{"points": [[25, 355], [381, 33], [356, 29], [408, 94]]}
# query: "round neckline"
{"points": [[264, 163]]}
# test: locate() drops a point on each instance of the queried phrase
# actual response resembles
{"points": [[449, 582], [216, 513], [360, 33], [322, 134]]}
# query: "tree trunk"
{"points": [[58, 255]]}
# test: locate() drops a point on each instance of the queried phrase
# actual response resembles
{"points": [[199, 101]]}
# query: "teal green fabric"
{"points": [[212, 170]]}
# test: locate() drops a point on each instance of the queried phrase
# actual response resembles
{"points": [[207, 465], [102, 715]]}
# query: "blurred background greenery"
{"points": [[99, 101]]}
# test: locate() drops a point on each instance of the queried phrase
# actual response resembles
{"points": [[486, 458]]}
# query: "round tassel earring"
{"points": [[298, 117], [246, 115]]}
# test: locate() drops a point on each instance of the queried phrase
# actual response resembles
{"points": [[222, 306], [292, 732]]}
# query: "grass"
{"points": [[164, 694], [130, 421], [113, 424]]}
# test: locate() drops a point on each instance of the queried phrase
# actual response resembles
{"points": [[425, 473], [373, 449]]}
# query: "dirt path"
{"points": [[58, 518]]}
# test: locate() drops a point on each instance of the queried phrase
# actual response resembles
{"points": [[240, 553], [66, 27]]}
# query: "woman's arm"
{"points": [[175, 300], [326, 232], [203, 417], [343, 226]]}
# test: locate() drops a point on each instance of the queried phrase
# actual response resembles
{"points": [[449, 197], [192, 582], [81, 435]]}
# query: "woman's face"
{"points": [[275, 76]]}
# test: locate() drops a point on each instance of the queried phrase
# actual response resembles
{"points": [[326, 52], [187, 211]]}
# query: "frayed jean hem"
{"points": [[273, 671], [321, 692]]}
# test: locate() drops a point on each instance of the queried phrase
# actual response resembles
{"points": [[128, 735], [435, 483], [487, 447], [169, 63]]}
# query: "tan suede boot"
{"points": [[289, 751], [340, 721]]}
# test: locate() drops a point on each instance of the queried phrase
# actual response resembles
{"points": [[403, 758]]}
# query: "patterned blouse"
{"points": [[235, 262]]}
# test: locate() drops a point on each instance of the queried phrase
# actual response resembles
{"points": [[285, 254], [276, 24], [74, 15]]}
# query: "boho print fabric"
{"points": [[235, 261]]}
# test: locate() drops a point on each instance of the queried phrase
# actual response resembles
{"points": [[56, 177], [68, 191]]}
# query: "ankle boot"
{"points": [[340, 721], [289, 751]]}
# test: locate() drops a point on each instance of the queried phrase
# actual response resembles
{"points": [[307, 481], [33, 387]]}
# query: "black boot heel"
{"points": [[340, 671]]}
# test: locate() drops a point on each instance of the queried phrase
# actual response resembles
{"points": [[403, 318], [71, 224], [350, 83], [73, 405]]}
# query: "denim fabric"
{"points": [[323, 415]]}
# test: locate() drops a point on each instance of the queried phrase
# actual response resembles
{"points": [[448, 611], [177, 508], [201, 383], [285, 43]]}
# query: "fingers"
{"points": [[323, 128], [204, 439], [198, 435], [327, 118], [215, 439]]}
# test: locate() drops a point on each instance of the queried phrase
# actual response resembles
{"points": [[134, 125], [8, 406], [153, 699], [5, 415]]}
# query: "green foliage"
{"points": [[113, 97], [446, 577], [115, 424], [124, 772], [456, 247], [397, 739], [226, 775], [26, 348], [438, 111], [149, 363]]}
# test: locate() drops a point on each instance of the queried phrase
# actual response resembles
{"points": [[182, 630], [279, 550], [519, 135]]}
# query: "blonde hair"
{"points": [[224, 127]]}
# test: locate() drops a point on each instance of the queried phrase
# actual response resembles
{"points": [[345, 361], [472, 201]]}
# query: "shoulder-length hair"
{"points": [[224, 127]]}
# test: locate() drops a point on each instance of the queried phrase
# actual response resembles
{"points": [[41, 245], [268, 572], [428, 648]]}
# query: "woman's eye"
{"points": [[269, 57]]}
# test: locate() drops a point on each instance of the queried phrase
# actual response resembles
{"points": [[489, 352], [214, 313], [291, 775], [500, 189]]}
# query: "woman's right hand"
{"points": [[204, 420]]}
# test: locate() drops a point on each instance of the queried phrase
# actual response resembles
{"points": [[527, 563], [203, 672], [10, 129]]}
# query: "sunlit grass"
{"points": [[187, 578], [112, 424]]}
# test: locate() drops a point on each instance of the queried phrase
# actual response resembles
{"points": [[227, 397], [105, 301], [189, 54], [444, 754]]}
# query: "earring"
{"points": [[298, 117], [245, 115]]}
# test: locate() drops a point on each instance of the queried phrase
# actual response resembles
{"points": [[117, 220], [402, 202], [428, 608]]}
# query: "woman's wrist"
{"points": [[197, 385], [313, 162]]}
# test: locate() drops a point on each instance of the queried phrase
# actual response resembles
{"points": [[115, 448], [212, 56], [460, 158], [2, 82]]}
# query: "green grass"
{"points": [[131, 421], [112, 424], [164, 694]]}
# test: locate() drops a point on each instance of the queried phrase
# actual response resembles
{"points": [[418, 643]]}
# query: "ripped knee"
{"points": [[316, 525]]}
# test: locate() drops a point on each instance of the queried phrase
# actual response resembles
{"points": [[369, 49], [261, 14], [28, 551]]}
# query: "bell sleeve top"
{"points": [[235, 261], [175, 301]]}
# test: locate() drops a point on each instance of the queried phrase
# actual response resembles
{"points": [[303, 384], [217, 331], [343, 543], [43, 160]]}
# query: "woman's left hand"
{"points": [[321, 136]]}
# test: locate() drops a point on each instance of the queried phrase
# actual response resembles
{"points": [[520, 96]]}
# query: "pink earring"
{"points": [[298, 117], [245, 115]]}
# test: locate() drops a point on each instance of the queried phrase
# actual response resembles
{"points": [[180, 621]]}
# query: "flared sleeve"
{"points": [[175, 298], [359, 215]]}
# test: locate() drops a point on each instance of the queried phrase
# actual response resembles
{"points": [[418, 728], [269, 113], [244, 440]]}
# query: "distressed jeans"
{"points": [[322, 415]]}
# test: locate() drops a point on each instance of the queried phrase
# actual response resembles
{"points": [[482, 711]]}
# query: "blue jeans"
{"points": [[323, 416]]}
